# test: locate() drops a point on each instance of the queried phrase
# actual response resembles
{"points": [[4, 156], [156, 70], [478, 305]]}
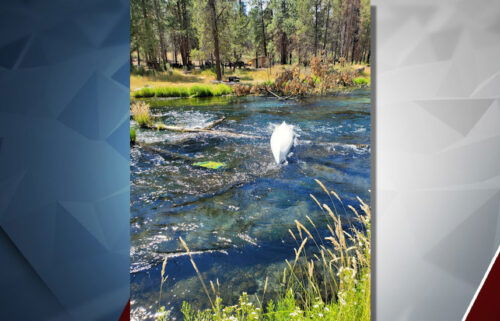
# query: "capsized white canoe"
{"points": [[282, 141]]}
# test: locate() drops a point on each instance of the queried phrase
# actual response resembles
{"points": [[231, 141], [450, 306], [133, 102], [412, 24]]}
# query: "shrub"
{"points": [[141, 71], [140, 113], [344, 75], [260, 89], [361, 81], [242, 90], [208, 73]]}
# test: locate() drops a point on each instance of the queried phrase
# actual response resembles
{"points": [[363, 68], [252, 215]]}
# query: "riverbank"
{"points": [[179, 78], [283, 82]]}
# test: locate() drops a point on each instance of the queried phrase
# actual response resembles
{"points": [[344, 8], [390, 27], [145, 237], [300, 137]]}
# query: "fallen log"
{"points": [[214, 123], [205, 130], [280, 97], [161, 126], [164, 153]]}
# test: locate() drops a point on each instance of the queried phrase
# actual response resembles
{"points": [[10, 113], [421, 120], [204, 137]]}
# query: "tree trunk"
{"points": [[215, 35], [163, 50], [263, 26], [355, 30], [326, 25], [284, 37], [185, 36], [147, 29], [284, 51], [316, 26], [175, 50]]}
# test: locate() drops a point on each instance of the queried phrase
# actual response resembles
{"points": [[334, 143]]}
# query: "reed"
{"points": [[329, 280], [133, 136], [201, 90], [140, 113]]}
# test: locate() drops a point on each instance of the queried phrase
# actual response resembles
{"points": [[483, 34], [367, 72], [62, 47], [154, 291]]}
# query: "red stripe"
{"points": [[486, 306], [125, 316]]}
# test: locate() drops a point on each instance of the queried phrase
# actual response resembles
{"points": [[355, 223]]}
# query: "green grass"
{"points": [[221, 90], [195, 91], [133, 135], [145, 92], [329, 280], [208, 73], [194, 102], [171, 92], [200, 91], [361, 81]]}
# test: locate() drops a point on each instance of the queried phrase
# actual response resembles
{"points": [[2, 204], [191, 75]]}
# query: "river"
{"points": [[236, 218]]}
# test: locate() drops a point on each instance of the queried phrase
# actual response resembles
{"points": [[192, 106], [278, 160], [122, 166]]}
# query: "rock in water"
{"points": [[282, 141]]}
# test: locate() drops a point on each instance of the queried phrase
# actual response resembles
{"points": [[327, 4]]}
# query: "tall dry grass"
{"points": [[140, 112]]}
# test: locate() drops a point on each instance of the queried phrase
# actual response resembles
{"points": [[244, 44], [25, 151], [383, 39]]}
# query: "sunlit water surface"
{"points": [[236, 218]]}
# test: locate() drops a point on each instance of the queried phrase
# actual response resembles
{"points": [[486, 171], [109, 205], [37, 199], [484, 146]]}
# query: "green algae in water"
{"points": [[210, 164]]}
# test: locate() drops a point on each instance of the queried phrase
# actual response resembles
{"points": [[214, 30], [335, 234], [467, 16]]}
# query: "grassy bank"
{"points": [[178, 78], [328, 279], [201, 90]]}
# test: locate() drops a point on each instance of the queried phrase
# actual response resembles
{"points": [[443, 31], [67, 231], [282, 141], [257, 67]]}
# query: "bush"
{"points": [[344, 75], [260, 89], [362, 81], [140, 113], [242, 90], [141, 71], [208, 73]]}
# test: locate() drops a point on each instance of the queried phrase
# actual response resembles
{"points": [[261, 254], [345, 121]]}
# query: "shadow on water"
{"points": [[236, 218]]}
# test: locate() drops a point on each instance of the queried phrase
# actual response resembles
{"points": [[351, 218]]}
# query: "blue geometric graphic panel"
{"points": [[64, 159]]}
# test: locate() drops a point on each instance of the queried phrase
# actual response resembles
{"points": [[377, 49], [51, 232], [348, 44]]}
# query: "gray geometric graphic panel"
{"points": [[437, 155]]}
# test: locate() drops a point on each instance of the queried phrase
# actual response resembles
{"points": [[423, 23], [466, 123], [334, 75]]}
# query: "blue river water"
{"points": [[235, 219]]}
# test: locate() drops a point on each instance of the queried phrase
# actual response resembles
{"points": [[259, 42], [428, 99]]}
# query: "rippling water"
{"points": [[236, 218]]}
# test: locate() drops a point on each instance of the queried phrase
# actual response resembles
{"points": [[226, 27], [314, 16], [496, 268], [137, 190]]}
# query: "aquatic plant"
{"points": [[140, 113], [328, 281], [133, 135]]}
